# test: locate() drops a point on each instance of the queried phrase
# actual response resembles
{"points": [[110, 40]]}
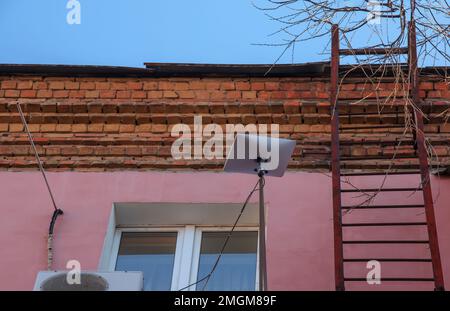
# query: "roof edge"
{"points": [[155, 70]]}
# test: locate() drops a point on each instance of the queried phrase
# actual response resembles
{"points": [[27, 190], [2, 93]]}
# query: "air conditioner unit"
{"points": [[90, 281]]}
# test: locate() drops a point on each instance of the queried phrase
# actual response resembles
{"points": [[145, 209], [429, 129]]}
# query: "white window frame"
{"points": [[187, 251]]}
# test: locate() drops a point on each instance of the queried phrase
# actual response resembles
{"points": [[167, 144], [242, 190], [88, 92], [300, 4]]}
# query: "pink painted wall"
{"points": [[300, 236]]}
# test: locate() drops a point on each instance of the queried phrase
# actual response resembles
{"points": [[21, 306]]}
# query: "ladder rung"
{"points": [[403, 142], [388, 259], [383, 224], [349, 114], [386, 242], [380, 157], [384, 206], [373, 51], [369, 127], [392, 279], [382, 189], [416, 172]]}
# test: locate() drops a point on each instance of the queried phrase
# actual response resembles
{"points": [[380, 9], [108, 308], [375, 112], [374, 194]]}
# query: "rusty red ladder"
{"points": [[425, 187]]}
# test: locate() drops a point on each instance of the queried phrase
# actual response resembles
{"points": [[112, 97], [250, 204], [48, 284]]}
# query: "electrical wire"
{"points": [[222, 250], [36, 154], [56, 211]]}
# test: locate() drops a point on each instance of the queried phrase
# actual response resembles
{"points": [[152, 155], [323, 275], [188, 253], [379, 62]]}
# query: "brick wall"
{"points": [[124, 123]]}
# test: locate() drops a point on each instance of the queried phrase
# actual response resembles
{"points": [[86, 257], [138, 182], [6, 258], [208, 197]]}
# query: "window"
{"points": [[153, 253], [237, 266], [172, 258]]}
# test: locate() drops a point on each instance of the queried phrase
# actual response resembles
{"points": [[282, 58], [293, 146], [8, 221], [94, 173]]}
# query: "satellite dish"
{"points": [[89, 282], [252, 153]]}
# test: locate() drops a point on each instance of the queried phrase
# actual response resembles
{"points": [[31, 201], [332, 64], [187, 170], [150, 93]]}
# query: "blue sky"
{"points": [[129, 33]]}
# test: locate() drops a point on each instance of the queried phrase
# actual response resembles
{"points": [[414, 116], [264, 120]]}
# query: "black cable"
{"points": [[56, 210], [208, 276], [55, 215], [36, 154]]}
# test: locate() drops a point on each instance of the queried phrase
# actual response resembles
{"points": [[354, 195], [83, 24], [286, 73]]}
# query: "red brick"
{"points": [[70, 85], [12, 93], [16, 127], [92, 94], [264, 95], [146, 128], [155, 107], [102, 85], [197, 85], [426, 85], [159, 128], [233, 95], [246, 108], [87, 86], [95, 127], [434, 94], [257, 86], [126, 128], [279, 95], [186, 94], [40, 85], [24, 85], [94, 107], [133, 151], [154, 94], [123, 94], [64, 127], [134, 85], [292, 107], [150, 86], [165, 85], [202, 95], [60, 94], [217, 95], [347, 87], [271, 86], [181, 86], [126, 107], [111, 128], [242, 86], [201, 108], [79, 128], [44, 94], [8, 84], [227, 86], [107, 94], [295, 86], [56, 85], [212, 85], [139, 95], [85, 150], [170, 94], [248, 95], [231, 108], [441, 86], [129, 119], [28, 93], [48, 127], [77, 94], [79, 107]]}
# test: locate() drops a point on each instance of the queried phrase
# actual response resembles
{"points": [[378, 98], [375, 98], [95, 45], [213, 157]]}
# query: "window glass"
{"points": [[153, 253], [237, 266]]}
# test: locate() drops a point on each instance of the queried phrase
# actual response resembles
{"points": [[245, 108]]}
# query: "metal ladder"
{"points": [[337, 163]]}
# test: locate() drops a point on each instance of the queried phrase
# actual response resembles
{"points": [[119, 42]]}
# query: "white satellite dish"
{"points": [[261, 156], [250, 153]]}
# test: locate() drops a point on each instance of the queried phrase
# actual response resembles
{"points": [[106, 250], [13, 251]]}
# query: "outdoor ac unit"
{"points": [[90, 281]]}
